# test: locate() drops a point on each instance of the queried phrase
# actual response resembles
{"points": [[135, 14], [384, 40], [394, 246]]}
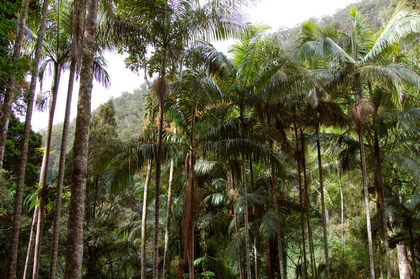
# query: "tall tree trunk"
{"points": [[157, 197], [30, 243], [168, 220], [44, 170], [412, 252], [189, 212], [232, 182], [380, 199], [8, 94], [256, 235], [301, 204], [281, 257], [161, 91], [74, 253], [77, 26], [25, 145], [306, 201], [342, 222], [255, 257], [246, 223], [61, 170], [143, 222], [360, 114], [366, 198], [324, 219], [240, 265], [403, 263]]}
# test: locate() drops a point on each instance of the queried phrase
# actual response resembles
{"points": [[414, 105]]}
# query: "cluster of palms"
{"points": [[246, 141]]}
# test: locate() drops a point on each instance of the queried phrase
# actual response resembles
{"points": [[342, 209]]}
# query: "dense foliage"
{"points": [[295, 155]]}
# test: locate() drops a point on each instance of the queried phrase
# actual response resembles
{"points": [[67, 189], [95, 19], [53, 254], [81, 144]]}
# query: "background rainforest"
{"points": [[295, 155]]}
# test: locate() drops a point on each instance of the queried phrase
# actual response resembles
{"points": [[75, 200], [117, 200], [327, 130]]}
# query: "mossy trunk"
{"points": [[74, 252], [25, 145]]}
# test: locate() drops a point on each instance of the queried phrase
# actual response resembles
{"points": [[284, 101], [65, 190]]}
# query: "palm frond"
{"points": [[401, 23], [99, 71], [254, 200], [269, 225], [216, 199]]}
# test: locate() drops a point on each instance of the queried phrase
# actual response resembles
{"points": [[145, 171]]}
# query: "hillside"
{"points": [[130, 111]]}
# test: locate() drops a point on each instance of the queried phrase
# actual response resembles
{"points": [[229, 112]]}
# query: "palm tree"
{"points": [[363, 65], [75, 47], [58, 54], [196, 96], [243, 80], [74, 252], [169, 27], [325, 112], [25, 144], [388, 140]]}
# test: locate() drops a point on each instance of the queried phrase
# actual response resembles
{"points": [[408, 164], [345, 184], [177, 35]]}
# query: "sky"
{"points": [[275, 13]]}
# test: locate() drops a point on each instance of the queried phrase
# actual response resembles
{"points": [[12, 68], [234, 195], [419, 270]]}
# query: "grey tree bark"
{"points": [[403, 263], [61, 168], [246, 223], [324, 219], [30, 243], [143, 222], [25, 145], [74, 252], [76, 46], [168, 220], [44, 171]]}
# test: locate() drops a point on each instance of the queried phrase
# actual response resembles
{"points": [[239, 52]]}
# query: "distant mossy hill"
{"points": [[377, 12], [130, 112]]}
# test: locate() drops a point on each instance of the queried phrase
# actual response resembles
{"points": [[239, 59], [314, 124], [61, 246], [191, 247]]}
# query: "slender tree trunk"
{"points": [[342, 222], [25, 145], [77, 26], [44, 171], [380, 199], [324, 219], [412, 252], [359, 121], [168, 220], [9, 92], [161, 93], [255, 244], [143, 222], [251, 171], [255, 257], [74, 253], [240, 267], [61, 169], [157, 197], [189, 213], [306, 199], [367, 208], [403, 263], [30, 243], [282, 264], [301, 204], [246, 223]]}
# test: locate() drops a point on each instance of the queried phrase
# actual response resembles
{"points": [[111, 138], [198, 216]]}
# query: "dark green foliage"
{"points": [[130, 113], [8, 12], [12, 154], [8, 183]]}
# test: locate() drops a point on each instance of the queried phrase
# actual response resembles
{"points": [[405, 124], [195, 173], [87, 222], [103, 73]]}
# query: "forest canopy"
{"points": [[294, 155]]}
